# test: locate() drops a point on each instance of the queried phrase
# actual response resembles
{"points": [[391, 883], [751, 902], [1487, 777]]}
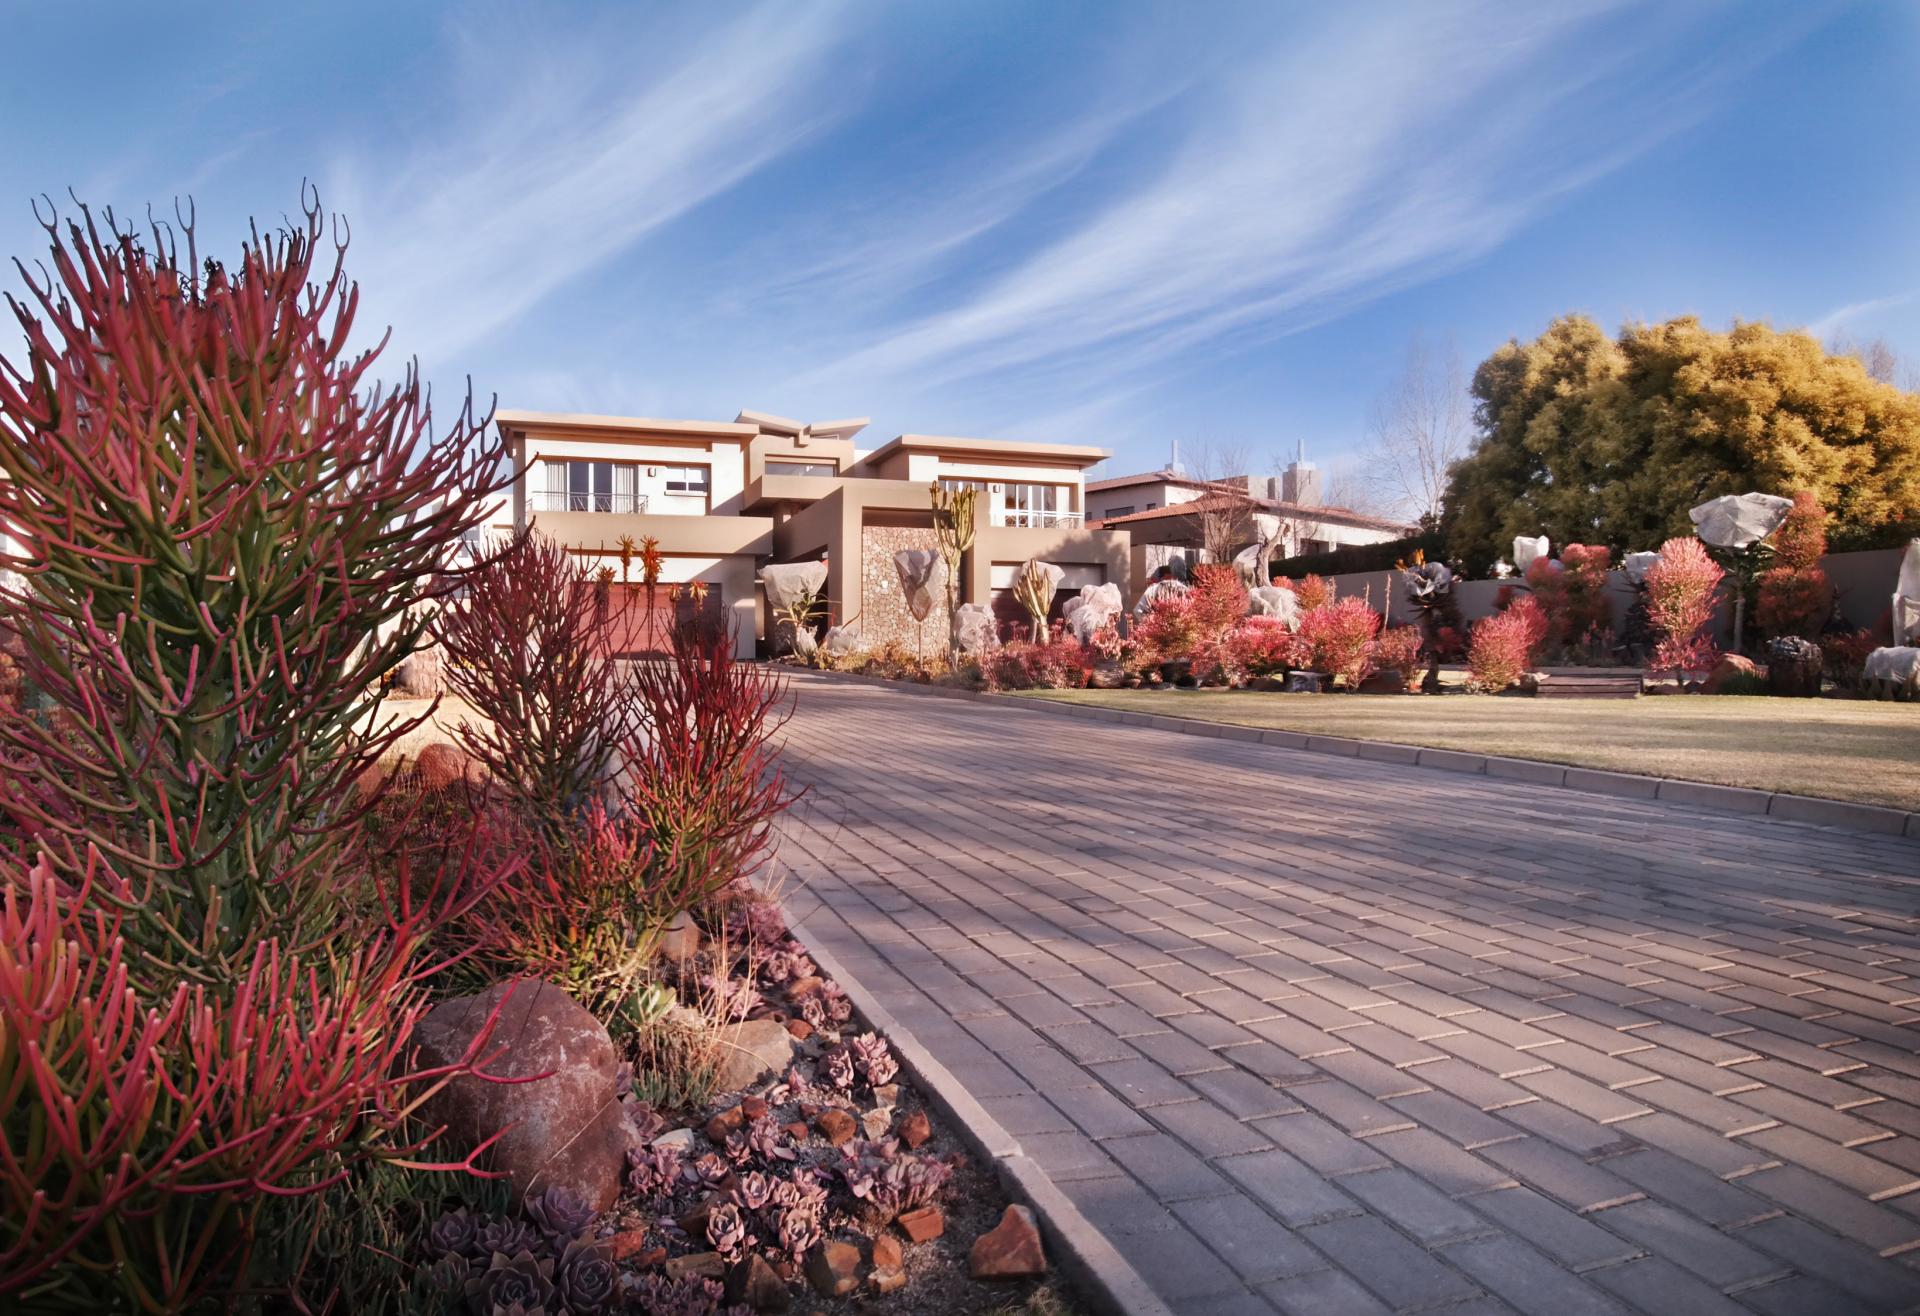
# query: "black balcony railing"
{"points": [[545, 500]]}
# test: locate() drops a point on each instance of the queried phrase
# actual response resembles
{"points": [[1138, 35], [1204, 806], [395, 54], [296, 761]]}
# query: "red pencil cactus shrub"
{"points": [[1680, 589], [527, 639], [702, 778], [1398, 650], [1793, 596], [228, 531], [1167, 632], [1339, 636], [1262, 646], [1501, 648], [1219, 600], [1312, 592], [1573, 593], [144, 1134]]}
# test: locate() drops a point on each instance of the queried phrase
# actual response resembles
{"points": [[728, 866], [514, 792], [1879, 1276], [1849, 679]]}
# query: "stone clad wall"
{"points": [[883, 608]]}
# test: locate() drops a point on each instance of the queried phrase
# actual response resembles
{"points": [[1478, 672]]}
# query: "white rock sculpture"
{"points": [[1636, 565], [1906, 596], [923, 576], [1892, 673], [975, 628], [1251, 561], [1526, 549], [842, 640], [1160, 589], [786, 582], [1739, 520], [1275, 601], [1093, 607]]}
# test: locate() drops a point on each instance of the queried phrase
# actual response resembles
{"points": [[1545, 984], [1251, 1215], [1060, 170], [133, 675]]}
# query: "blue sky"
{"points": [[1119, 223]]}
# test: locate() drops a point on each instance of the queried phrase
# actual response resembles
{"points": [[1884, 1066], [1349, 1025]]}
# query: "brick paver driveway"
{"points": [[1322, 1036]]}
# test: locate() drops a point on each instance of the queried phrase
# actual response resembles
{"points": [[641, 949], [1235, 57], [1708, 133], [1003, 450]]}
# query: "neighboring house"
{"points": [[725, 498], [1170, 515]]}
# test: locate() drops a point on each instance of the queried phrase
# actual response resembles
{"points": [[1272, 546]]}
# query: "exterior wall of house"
{"points": [[1143, 497]]}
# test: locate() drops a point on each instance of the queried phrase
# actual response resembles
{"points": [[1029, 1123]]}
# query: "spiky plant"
{"points": [[954, 521], [227, 534]]}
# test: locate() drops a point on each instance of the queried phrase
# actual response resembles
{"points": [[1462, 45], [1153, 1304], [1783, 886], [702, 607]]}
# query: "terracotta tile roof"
{"points": [[1289, 511]]}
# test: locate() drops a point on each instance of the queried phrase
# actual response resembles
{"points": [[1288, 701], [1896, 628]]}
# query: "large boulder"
{"points": [[1092, 608], [1739, 520], [566, 1128], [923, 575], [1729, 667], [1274, 601], [1636, 565], [842, 640], [1794, 666], [975, 628]]}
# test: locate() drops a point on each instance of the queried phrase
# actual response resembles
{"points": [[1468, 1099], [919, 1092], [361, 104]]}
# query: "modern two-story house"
{"points": [[725, 498]]}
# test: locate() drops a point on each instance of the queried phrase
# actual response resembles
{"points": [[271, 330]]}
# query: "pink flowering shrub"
{"points": [[1261, 646], [1681, 589], [1502, 646], [1313, 592], [1167, 632], [1339, 636], [1573, 592]]}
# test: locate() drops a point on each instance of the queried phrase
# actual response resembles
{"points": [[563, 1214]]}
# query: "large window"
{"points": [[1032, 505], [802, 468], [590, 486], [685, 479]]}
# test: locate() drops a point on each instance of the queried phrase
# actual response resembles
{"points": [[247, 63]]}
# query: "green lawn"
{"points": [[1837, 748]]}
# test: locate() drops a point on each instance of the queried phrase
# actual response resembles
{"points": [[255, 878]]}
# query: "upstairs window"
{"points": [[685, 479], [802, 468], [1121, 511], [590, 486]]}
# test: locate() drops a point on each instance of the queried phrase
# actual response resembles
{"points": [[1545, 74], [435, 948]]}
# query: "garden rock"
{"points": [[1794, 666], [1892, 673], [1306, 683], [756, 1284], [833, 1268], [1274, 601], [787, 582], [923, 1224], [914, 1129], [681, 940], [1107, 676], [974, 628], [420, 674], [1636, 565], [836, 1126], [1729, 667], [923, 575], [568, 1128], [751, 1050], [1739, 520], [1010, 1250], [1093, 607], [707, 1265], [887, 1253]]}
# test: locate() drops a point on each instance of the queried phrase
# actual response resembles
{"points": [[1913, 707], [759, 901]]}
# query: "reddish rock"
{"points": [[727, 1121], [833, 1268], [653, 1256], [836, 1126], [801, 988], [627, 1243], [694, 1222], [1010, 1250], [708, 1265], [887, 1281], [808, 1110], [799, 1029], [681, 941], [1730, 666], [923, 1224], [568, 1127], [914, 1129], [797, 1130], [756, 1284], [887, 1253], [753, 1108]]}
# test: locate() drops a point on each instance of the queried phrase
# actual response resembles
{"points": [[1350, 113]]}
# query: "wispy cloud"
{"points": [[575, 149], [1317, 174], [1842, 316]]}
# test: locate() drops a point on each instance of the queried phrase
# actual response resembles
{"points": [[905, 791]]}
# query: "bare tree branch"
{"points": [[1421, 426]]}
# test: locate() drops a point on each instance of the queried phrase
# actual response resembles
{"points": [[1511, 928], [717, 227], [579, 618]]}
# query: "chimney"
{"points": [[1300, 482]]}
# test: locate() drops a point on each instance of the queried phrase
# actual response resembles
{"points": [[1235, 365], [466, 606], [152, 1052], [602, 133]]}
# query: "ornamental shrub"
{"points": [[1573, 592], [1793, 596], [1262, 646], [1339, 636], [1168, 631], [1313, 592], [1398, 650], [1501, 647], [1681, 587]]}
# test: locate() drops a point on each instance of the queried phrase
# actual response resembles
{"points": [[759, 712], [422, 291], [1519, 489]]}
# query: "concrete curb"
{"points": [[1100, 1275], [1840, 814]]}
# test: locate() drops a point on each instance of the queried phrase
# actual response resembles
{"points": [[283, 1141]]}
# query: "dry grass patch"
{"points": [[1839, 749]]}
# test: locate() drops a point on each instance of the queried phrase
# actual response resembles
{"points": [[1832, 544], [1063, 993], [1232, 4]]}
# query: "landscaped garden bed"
{"points": [[305, 1008]]}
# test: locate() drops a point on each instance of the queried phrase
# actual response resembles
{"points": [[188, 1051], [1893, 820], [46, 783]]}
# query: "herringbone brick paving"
{"points": [[1314, 1035]]}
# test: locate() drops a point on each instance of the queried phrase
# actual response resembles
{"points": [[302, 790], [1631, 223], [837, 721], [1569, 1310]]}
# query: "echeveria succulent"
{"points": [[560, 1212], [587, 1277], [522, 1278]]}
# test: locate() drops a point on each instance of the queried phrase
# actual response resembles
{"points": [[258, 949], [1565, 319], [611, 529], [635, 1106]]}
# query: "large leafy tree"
{"points": [[1610, 440]]}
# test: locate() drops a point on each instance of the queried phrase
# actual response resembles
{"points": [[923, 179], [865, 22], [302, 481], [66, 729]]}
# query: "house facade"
{"points": [[725, 498]]}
